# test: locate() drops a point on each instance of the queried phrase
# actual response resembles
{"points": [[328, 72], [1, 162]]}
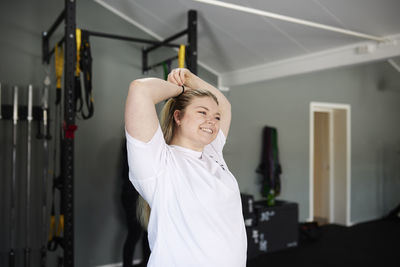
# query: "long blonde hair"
{"points": [[168, 125]]}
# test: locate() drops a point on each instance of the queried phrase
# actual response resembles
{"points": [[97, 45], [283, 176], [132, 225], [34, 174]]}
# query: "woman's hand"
{"points": [[181, 76]]}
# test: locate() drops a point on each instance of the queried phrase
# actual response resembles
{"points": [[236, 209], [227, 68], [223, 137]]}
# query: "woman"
{"points": [[196, 215]]}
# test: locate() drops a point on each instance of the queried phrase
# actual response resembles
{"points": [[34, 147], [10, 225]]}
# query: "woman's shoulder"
{"points": [[156, 140]]}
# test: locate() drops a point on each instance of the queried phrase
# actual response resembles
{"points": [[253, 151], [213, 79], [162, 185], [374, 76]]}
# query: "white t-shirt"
{"points": [[196, 213]]}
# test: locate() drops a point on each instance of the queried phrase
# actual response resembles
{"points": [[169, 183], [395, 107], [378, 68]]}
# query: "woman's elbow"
{"points": [[137, 90], [136, 85]]}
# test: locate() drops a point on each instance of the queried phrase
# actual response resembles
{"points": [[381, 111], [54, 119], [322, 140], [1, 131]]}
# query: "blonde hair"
{"points": [[168, 125]]}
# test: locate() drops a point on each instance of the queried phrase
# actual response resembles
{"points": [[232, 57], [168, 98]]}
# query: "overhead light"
{"points": [[365, 49], [291, 19]]}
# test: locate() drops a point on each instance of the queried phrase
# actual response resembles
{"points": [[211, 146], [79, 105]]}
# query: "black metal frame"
{"points": [[191, 50], [67, 166]]}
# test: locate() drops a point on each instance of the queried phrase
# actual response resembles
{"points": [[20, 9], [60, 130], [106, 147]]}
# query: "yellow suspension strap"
{"points": [[78, 89], [181, 56], [55, 237], [78, 49], [59, 65], [51, 244]]}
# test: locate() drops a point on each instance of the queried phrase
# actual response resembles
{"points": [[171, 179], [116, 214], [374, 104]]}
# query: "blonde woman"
{"points": [[190, 200]]}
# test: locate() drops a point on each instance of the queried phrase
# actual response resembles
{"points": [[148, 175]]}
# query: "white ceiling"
{"points": [[240, 47]]}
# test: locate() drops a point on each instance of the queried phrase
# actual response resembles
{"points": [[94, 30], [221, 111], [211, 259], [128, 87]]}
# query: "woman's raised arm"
{"points": [[141, 119]]}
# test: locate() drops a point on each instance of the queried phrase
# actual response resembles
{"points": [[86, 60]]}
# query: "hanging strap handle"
{"points": [[78, 49], [181, 56], [59, 66]]}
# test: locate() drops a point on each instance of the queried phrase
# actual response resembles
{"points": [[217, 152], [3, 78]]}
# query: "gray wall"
{"points": [[284, 103]]}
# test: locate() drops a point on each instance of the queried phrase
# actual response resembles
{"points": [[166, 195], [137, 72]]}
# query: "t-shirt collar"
{"points": [[189, 151]]}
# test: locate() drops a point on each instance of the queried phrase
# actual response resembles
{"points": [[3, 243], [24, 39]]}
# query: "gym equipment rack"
{"points": [[68, 15]]}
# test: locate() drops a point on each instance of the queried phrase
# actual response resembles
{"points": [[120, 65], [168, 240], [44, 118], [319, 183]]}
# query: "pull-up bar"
{"points": [[156, 44], [132, 39], [117, 37], [120, 37], [191, 31], [191, 48], [166, 41]]}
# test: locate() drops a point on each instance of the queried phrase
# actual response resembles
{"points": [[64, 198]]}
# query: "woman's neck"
{"points": [[183, 142]]}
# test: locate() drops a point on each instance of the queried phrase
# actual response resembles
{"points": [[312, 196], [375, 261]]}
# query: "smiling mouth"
{"points": [[207, 130]]}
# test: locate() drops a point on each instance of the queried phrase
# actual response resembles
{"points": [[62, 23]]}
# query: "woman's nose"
{"points": [[212, 121]]}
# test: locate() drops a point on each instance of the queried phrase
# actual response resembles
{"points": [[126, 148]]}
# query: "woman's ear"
{"points": [[177, 117]]}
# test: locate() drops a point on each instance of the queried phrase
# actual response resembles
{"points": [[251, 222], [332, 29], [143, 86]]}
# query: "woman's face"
{"points": [[199, 124]]}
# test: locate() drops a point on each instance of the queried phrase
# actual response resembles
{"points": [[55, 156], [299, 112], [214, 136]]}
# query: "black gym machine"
{"points": [[68, 15]]}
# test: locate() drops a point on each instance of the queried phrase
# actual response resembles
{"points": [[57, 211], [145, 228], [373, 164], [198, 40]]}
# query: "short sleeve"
{"points": [[146, 161]]}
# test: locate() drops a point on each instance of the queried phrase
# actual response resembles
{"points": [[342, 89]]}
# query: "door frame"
{"points": [[329, 108]]}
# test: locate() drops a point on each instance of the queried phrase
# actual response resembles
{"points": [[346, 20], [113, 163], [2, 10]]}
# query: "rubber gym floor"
{"points": [[375, 243]]}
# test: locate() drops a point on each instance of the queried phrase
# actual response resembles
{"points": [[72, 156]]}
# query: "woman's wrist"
{"points": [[192, 81], [183, 90]]}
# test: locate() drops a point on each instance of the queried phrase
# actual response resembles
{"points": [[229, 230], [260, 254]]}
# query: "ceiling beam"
{"points": [[291, 19], [344, 56]]}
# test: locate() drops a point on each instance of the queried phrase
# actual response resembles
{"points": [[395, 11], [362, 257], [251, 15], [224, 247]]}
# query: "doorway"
{"points": [[330, 163]]}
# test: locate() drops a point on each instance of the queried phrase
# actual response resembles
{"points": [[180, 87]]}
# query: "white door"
{"points": [[330, 165]]}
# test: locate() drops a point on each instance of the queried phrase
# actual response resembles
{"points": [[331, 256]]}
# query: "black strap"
{"points": [[269, 166], [78, 94], [85, 64]]}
